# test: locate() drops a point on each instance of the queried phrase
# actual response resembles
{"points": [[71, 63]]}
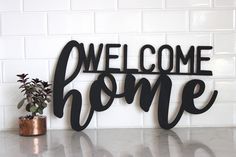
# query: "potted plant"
{"points": [[37, 96]]}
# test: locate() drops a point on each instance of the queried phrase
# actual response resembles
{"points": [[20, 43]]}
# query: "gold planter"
{"points": [[32, 127]]}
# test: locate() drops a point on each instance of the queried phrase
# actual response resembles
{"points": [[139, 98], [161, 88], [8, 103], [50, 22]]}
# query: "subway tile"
{"points": [[226, 89], [96, 40], [11, 47], [45, 47], [187, 40], [10, 5], [224, 3], [46, 112], [140, 4], [155, 21], [120, 116], [119, 21], [46, 5], [72, 63], [150, 118], [1, 117], [64, 122], [225, 43], [214, 20], [11, 117], [0, 71], [70, 23], [173, 111], [27, 23], [221, 66], [93, 4], [11, 94], [219, 115], [235, 120], [35, 69], [208, 91], [187, 3], [84, 89], [136, 41]]}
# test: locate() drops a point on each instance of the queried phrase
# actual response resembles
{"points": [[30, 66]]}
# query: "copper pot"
{"points": [[32, 127]]}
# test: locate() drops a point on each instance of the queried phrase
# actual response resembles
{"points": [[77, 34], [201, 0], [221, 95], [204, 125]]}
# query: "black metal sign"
{"points": [[90, 62]]}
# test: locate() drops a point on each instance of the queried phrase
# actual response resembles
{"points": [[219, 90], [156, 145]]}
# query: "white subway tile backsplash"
{"points": [[11, 117], [93, 4], [213, 117], [1, 117], [11, 47], [120, 116], [212, 20], [221, 66], [140, 3], [173, 111], [35, 68], [72, 63], [10, 5], [0, 71], [150, 118], [70, 23], [23, 23], [136, 41], [46, 5], [188, 39], [226, 89], [119, 21], [156, 21], [7, 90], [224, 3], [96, 40], [187, 3], [225, 43], [44, 47], [64, 122]]}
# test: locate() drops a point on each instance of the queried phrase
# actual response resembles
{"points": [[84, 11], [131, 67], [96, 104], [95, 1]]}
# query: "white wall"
{"points": [[33, 32]]}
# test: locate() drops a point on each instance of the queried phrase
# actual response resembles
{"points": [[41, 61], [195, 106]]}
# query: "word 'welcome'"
{"points": [[90, 61]]}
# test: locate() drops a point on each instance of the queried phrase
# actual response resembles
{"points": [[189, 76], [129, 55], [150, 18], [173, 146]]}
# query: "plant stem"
{"points": [[33, 114]]}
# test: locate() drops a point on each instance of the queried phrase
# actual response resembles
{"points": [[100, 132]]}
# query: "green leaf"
{"points": [[40, 111], [21, 103], [33, 109], [27, 107], [44, 104]]}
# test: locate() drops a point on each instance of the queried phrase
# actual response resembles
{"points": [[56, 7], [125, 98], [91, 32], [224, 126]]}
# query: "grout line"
{"points": [[164, 3], [212, 3], [70, 5], [94, 22], [117, 5], [22, 6], [142, 22], [0, 25], [1, 62], [189, 20], [47, 25], [24, 57]]}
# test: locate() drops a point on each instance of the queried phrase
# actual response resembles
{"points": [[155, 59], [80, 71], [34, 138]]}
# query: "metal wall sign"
{"points": [[90, 60]]}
